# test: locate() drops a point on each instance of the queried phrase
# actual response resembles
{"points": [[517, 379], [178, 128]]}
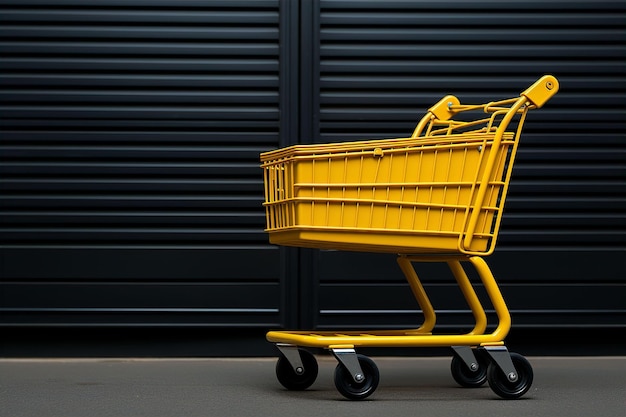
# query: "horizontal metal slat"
{"points": [[118, 31], [461, 83], [183, 48], [354, 112], [349, 6], [156, 202], [170, 17], [208, 169], [563, 238], [588, 221], [579, 203], [29, 78], [149, 4], [142, 319], [199, 136], [199, 219], [165, 185], [137, 112], [145, 65], [473, 35], [403, 97], [460, 66], [126, 97], [167, 154], [572, 170], [145, 125], [558, 186], [486, 52], [411, 16], [131, 235]]}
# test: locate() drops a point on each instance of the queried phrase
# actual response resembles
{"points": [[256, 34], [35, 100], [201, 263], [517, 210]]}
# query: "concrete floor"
{"points": [[563, 386]]}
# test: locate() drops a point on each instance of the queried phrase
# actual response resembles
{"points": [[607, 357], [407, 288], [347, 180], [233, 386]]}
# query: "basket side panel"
{"points": [[279, 192], [417, 195]]}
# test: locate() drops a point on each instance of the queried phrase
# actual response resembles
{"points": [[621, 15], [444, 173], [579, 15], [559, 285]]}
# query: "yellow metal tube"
{"points": [[484, 182], [470, 296], [495, 296], [421, 125], [430, 317], [411, 338]]}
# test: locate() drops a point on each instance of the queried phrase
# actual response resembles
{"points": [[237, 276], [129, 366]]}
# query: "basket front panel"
{"points": [[409, 189]]}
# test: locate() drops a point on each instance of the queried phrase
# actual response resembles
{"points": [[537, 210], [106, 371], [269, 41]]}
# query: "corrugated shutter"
{"points": [[560, 256], [130, 135], [130, 132]]}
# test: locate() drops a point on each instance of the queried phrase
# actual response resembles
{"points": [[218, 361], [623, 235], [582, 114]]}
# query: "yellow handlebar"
{"points": [[542, 90]]}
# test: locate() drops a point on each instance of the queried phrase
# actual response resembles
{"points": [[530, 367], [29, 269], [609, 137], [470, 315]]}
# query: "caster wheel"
{"points": [[467, 377], [294, 381], [510, 390], [357, 390]]}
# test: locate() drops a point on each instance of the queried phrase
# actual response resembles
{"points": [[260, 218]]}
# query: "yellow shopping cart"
{"points": [[436, 196]]}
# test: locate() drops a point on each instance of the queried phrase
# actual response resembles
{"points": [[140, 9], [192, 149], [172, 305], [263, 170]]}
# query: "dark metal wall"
{"points": [[130, 139], [560, 256], [130, 133]]}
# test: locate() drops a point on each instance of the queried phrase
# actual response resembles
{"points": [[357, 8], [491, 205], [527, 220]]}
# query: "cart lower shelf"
{"points": [[478, 356], [509, 375]]}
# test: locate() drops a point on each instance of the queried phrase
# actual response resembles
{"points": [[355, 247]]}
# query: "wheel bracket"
{"points": [[349, 359], [292, 354], [502, 358], [467, 355]]}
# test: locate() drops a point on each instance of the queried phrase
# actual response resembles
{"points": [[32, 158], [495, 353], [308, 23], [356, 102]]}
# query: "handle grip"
{"points": [[542, 90]]}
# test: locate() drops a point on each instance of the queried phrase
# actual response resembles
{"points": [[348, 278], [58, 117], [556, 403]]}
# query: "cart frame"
{"points": [[464, 237]]}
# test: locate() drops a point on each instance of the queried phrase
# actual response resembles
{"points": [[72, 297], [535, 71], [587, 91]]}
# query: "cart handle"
{"points": [[537, 94], [484, 183], [542, 90]]}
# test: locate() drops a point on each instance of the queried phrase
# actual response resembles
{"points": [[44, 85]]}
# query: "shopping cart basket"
{"points": [[437, 196]]}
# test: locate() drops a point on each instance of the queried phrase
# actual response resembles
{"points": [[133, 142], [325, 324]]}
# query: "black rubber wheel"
{"points": [[292, 380], [357, 390], [506, 389], [466, 377]]}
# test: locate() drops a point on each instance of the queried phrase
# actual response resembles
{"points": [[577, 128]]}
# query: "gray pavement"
{"points": [[563, 386]]}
